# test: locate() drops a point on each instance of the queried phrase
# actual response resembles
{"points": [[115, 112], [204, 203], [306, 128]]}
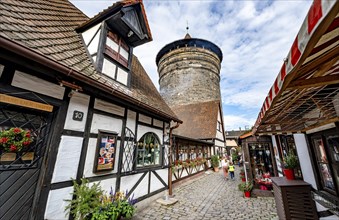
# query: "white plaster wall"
{"points": [[106, 185], [131, 120], [276, 155], [55, 209], [35, 84], [220, 135], [127, 182], [155, 183], [109, 107], [219, 143], [68, 157], [163, 173], [79, 102], [304, 159], [143, 130], [88, 34], [91, 155], [145, 119], [106, 123]]}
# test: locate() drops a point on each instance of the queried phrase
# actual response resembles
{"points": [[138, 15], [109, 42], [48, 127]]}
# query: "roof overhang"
{"points": [[126, 18], [305, 93]]}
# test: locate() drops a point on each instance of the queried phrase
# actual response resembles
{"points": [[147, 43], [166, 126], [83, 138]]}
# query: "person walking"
{"points": [[224, 165], [231, 170]]}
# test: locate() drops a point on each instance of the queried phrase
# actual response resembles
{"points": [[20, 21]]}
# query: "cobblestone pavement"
{"points": [[210, 196]]}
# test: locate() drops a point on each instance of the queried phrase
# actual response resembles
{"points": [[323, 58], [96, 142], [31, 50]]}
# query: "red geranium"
{"points": [[14, 140]]}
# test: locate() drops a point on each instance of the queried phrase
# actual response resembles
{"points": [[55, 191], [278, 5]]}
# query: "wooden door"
{"points": [[20, 178]]}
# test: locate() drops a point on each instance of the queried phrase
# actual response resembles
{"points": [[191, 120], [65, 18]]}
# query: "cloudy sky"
{"points": [[254, 36]]}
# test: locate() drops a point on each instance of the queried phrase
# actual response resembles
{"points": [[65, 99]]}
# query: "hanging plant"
{"points": [[15, 140]]}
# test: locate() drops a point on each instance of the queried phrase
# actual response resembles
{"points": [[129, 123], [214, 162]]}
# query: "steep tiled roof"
{"points": [[143, 88], [48, 29], [199, 120]]}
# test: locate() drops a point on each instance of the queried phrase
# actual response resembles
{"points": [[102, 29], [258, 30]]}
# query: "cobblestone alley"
{"points": [[210, 196]]}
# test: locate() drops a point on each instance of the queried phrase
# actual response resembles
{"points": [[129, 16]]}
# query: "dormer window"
{"points": [[117, 49], [111, 36]]}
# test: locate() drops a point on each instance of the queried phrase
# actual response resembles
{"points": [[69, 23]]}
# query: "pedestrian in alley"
{"points": [[224, 165], [231, 170]]}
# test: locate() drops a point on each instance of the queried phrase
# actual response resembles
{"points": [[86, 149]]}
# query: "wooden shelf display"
{"points": [[293, 199]]}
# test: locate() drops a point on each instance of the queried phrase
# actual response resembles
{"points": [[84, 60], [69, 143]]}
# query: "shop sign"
{"points": [[25, 103]]}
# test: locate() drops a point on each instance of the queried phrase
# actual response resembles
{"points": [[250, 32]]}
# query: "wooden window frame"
{"points": [[115, 55]]}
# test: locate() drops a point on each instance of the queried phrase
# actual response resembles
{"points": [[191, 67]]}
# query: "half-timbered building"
{"points": [[84, 103]]}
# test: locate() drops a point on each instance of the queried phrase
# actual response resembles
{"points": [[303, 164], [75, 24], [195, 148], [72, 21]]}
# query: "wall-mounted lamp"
{"points": [[130, 33]]}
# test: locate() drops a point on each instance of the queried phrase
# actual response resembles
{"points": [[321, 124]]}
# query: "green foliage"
{"points": [[215, 161], [291, 161], [106, 211], [234, 157], [87, 199], [125, 209], [245, 186]]}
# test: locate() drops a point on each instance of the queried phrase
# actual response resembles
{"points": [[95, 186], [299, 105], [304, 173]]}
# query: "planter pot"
{"points": [[216, 169], [8, 157], [289, 174], [243, 179], [247, 194]]}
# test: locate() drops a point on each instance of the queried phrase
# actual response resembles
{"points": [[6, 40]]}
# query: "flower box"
{"points": [[8, 157]]}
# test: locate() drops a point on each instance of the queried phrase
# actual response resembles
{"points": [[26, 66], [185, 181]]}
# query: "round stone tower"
{"points": [[189, 71]]}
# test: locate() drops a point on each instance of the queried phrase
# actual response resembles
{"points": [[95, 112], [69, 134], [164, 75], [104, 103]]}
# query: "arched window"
{"points": [[148, 150]]}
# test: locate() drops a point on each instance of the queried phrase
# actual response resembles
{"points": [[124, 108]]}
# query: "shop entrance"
{"points": [[23, 146]]}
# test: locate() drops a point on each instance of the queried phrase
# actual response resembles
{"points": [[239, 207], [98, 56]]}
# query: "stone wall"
{"points": [[189, 75]]}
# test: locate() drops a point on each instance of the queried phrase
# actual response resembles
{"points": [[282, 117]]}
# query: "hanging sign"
{"points": [[25, 103]]}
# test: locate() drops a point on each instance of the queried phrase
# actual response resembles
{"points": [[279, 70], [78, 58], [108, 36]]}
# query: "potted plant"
{"points": [[242, 175], [290, 163], [12, 141], [246, 187], [215, 162]]}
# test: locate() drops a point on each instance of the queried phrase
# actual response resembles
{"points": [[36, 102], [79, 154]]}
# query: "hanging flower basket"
{"points": [[14, 140]]}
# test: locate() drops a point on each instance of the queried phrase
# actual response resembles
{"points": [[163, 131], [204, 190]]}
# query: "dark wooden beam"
{"points": [[314, 82]]}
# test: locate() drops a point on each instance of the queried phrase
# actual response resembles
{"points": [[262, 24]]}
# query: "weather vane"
{"points": [[187, 27]]}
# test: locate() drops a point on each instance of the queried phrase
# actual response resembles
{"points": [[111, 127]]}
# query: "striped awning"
{"points": [[305, 93]]}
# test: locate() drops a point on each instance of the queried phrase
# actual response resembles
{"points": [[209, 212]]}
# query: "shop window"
{"points": [[324, 163], [287, 145], [148, 153]]}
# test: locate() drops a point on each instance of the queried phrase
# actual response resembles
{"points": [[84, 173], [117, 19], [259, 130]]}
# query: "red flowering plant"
{"points": [[14, 140]]}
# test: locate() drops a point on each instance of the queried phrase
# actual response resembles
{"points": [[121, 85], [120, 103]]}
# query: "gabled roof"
{"points": [[305, 93], [199, 120], [115, 19], [234, 134], [44, 31]]}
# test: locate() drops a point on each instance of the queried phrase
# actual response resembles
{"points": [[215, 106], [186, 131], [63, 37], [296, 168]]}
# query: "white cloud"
{"points": [[254, 37], [237, 122]]}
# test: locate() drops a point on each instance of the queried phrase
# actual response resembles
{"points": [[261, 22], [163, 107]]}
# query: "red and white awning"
{"points": [[317, 37]]}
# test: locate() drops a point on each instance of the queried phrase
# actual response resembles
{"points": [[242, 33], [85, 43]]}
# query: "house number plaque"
{"points": [[78, 116]]}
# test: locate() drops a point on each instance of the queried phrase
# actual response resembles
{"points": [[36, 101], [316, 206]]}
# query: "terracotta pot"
{"points": [[289, 174], [216, 169], [247, 194]]}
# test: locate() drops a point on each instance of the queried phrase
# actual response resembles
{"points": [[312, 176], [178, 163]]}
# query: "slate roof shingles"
{"points": [[48, 28]]}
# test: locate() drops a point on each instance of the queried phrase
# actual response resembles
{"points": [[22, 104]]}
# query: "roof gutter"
{"points": [[39, 58]]}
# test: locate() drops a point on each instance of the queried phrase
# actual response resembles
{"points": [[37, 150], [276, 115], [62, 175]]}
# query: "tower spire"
{"points": [[187, 36]]}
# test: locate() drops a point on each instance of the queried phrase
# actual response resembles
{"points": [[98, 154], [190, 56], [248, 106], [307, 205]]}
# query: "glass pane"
{"points": [[325, 174], [333, 145]]}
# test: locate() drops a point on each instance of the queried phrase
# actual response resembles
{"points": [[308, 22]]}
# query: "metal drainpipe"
{"points": [[170, 159]]}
